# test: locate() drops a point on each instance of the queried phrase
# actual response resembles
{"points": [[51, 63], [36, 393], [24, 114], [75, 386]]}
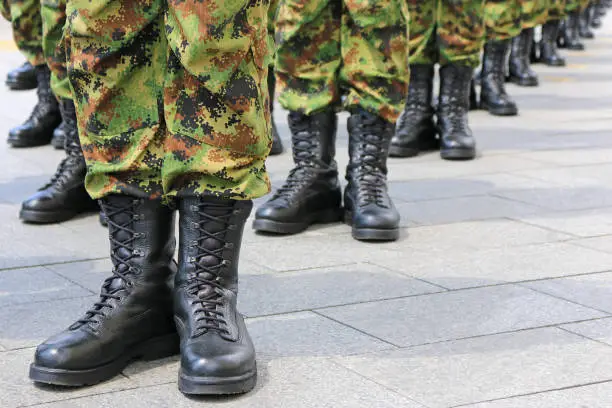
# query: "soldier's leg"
{"points": [[533, 13], [277, 144], [415, 130], [64, 196], [461, 34], [308, 58], [550, 32], [569, 36], [27, 28], [503, 22], [586, 16], [118, 98], [24, 16], [374, 73]]}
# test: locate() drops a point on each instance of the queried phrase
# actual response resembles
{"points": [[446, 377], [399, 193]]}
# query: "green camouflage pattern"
{"points": [[171, 96], [556, 9], [446, 31], [54, 46], [533, 12], [352, 48], [502, 19], [26, 22], [576, 5]]}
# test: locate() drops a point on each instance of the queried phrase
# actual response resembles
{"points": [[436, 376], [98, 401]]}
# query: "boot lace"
{"points": [[120, 279], [64, 169], [369, 171], [205, 277]]}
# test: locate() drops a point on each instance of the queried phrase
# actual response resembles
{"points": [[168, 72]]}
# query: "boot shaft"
{"points": [[314, 138], [210, 236], [550, 31], [369, 140], [494, 59], [420, 89], [455, 87]]}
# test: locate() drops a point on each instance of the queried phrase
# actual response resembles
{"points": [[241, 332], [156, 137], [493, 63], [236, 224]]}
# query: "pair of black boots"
{"points": [[312, 194], [45, 123], [148, 310], [416, 131], [64, 196]]}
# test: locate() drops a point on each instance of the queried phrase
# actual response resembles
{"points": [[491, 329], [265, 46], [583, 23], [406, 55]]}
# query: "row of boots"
{"points": [[150, 307]]}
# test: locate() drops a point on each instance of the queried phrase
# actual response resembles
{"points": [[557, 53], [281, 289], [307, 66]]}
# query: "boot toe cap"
{"points": [[216, 362], [64, 351], [40, 201]]}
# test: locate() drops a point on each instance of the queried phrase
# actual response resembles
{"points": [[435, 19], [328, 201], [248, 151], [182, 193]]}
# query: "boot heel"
{"points": [[160, 347]]}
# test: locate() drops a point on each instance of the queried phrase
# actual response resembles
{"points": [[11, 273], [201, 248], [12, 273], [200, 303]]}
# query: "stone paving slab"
{"points": [[600, 330], [486, 368], [460, 314]]}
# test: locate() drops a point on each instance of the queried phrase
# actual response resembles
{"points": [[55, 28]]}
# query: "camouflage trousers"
{"points": [[505, 19], [446, 31], [352, 48], [558, 9], [533, 12], [26, 21], [54, 45], [171, 96]]}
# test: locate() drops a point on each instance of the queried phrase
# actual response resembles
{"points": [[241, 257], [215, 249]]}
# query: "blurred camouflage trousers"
{"points": [[558, 9], [505, 19], [352, 48], [54, 20], [26, 21], [446, 31], [171, 96]]}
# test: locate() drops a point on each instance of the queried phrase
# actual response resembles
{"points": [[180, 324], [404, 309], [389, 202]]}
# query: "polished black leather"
{"points": [[135, 303], [64, 196], [312, 189], [369, 208], [569, 34], [493, 95], [548, 46], [22, 78], [38, 129], [520, 71], [584, 25], [59, 136], [456, 139], [215, 345], [416, 131]]}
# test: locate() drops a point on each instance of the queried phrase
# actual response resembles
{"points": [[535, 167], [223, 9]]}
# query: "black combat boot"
{"points": [[493, 96], [456, 140], [416, 130], [572, 40], [520, 71], [277, 144], [548, 46], [64, 196], [474, 104], [22, 78], [217, 355], [59, 136], [311, 194], [368, 207], [584, 28], [38, 129], [133, 318]]}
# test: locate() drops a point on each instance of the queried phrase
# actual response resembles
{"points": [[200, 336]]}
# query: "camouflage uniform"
{"points": [[502, 19], [445, 31], [26, 20], [54, 45], [352, 47], [170, 97], [533, 12]]}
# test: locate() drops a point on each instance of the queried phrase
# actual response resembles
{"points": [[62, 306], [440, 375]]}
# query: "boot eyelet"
{"points": [[194, 225], [232, 227], [236, 212], [194, 208], [226, 262], [229, 245]]}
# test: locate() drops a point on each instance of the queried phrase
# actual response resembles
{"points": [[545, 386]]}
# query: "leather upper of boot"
{"points": [[548, 48], [493, 90], [416, 121], [312, 184], [135, 302], [24, 74], [520, 51], [214, 340], [45, 116], [366, 194], [66, 189], [453, 107]]}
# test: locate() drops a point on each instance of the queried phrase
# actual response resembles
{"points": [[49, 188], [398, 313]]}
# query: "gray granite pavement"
{"points": [[497, 295]]}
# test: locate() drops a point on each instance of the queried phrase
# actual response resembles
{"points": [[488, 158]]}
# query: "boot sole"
{"points": [[397, 151], [370, 234], [279, 227], [523, 82], [48, 217], [153, 349], [499, 111], [458, 154], [21, 86], [217, 385], [29, 143]]}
